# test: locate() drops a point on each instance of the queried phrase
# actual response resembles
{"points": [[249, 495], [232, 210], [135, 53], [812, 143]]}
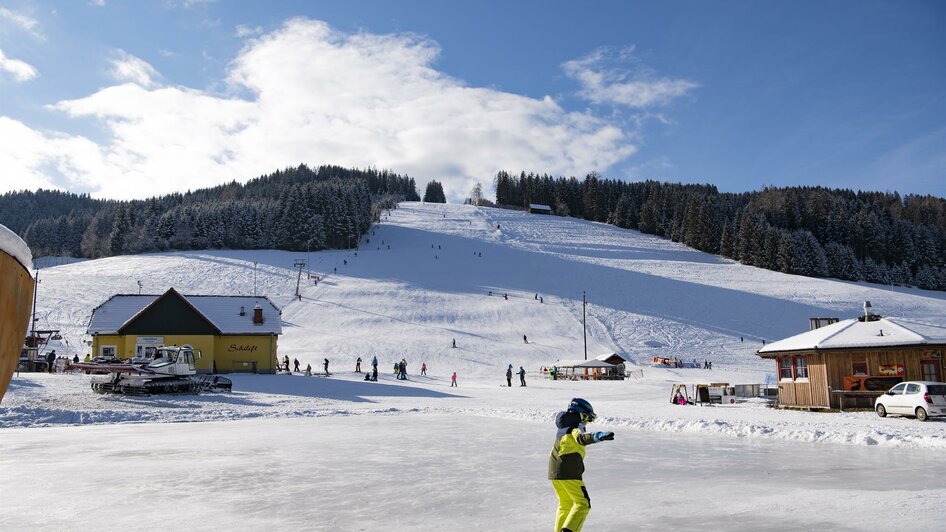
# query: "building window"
{"points": [[801, 367], [859, 368], [930, 370], [785, 368], [109, 350]]}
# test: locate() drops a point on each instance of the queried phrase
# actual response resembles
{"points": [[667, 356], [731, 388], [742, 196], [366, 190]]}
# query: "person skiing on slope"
{"points": [[423, 368], [358, 365], [453, 380], [567, 464], [325, 364], [509, 376], [522, 376], [295, 363]]}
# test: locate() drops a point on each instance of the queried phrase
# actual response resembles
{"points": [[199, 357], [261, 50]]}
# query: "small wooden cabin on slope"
{"points": [[538, 208], [859, 357], [232, 333]]}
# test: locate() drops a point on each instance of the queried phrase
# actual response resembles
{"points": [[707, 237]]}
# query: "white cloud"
{"points": [[242, 30], [616, 77], [97, 3], [32, 159], [310, 94], [22, 22], [20, 70], [126, 67]]}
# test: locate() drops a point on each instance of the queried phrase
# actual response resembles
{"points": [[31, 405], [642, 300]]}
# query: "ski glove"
{"points": [[600, 436]]}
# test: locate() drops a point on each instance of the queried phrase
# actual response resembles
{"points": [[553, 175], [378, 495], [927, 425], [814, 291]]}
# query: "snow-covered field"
{"points": [[295, 452]]}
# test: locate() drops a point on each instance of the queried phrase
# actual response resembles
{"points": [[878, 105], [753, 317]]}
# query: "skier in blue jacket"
{"points": [[567, 464]]}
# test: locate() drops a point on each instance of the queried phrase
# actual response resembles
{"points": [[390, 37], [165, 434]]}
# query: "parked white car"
{"points": [[922, 399]]}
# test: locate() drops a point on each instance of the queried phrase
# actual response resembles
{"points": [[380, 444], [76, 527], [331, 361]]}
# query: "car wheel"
{"points": [[921, 414], [881, 411]]}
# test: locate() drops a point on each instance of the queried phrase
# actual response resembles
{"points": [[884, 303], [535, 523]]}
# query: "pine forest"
{"points": [[878, 237], [293, 209]]}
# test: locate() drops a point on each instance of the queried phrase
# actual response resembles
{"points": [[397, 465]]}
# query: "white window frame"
{"points": [[791, 367], [114, 349]]}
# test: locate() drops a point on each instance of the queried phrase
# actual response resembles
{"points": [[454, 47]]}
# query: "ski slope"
{"points": [[422, 277]]}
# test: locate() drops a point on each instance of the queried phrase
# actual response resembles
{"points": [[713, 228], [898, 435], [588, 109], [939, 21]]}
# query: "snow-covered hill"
{"points": [[422, 278]]}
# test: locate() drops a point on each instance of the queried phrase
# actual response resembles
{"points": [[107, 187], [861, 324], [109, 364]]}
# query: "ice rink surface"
{"points": [[437, 472]]}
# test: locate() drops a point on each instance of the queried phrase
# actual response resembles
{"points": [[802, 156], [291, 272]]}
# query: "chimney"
{"points": [[867, 311], [257, 315]]}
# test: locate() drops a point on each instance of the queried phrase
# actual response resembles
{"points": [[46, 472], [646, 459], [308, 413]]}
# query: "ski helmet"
{"points": [[583, 408]]}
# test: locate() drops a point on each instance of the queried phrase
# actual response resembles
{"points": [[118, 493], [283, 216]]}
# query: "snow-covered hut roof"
{"points": [[606, 356], [593, 363], [13, 245], [855, 333], [539, 206], [222, 311]]}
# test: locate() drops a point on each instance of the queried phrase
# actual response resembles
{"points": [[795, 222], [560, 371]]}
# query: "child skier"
{"points": [[566, 464]]}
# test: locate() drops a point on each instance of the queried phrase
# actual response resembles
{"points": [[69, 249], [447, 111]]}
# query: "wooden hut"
{"points": [[538, 208], [16, 297], [613, 358], [855, 360], [588, 370]]}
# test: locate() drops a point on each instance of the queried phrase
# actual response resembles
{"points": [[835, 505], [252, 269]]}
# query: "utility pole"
{"points": [[139, 288], [308, 273], [584, 326], [299, 263], [254, 279]]}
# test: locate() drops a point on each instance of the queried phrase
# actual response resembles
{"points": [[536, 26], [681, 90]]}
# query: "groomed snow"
{"points": [[338, 453]]}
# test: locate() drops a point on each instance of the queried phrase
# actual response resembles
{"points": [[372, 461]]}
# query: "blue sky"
{"points": [[131, 99]]}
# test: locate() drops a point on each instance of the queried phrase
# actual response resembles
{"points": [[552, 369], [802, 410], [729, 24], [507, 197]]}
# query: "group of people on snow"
{"points": [[521, 373], [400, 369], [295, 366]]}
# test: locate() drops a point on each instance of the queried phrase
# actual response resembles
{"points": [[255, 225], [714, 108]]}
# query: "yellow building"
{"points": [[230, 333]]}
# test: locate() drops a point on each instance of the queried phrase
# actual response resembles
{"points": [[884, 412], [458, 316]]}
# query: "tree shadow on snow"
{"points": [[23, 383], [331, 388]]}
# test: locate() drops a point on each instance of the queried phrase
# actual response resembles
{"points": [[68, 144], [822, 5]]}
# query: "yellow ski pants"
{"points": [[573, 504]]}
